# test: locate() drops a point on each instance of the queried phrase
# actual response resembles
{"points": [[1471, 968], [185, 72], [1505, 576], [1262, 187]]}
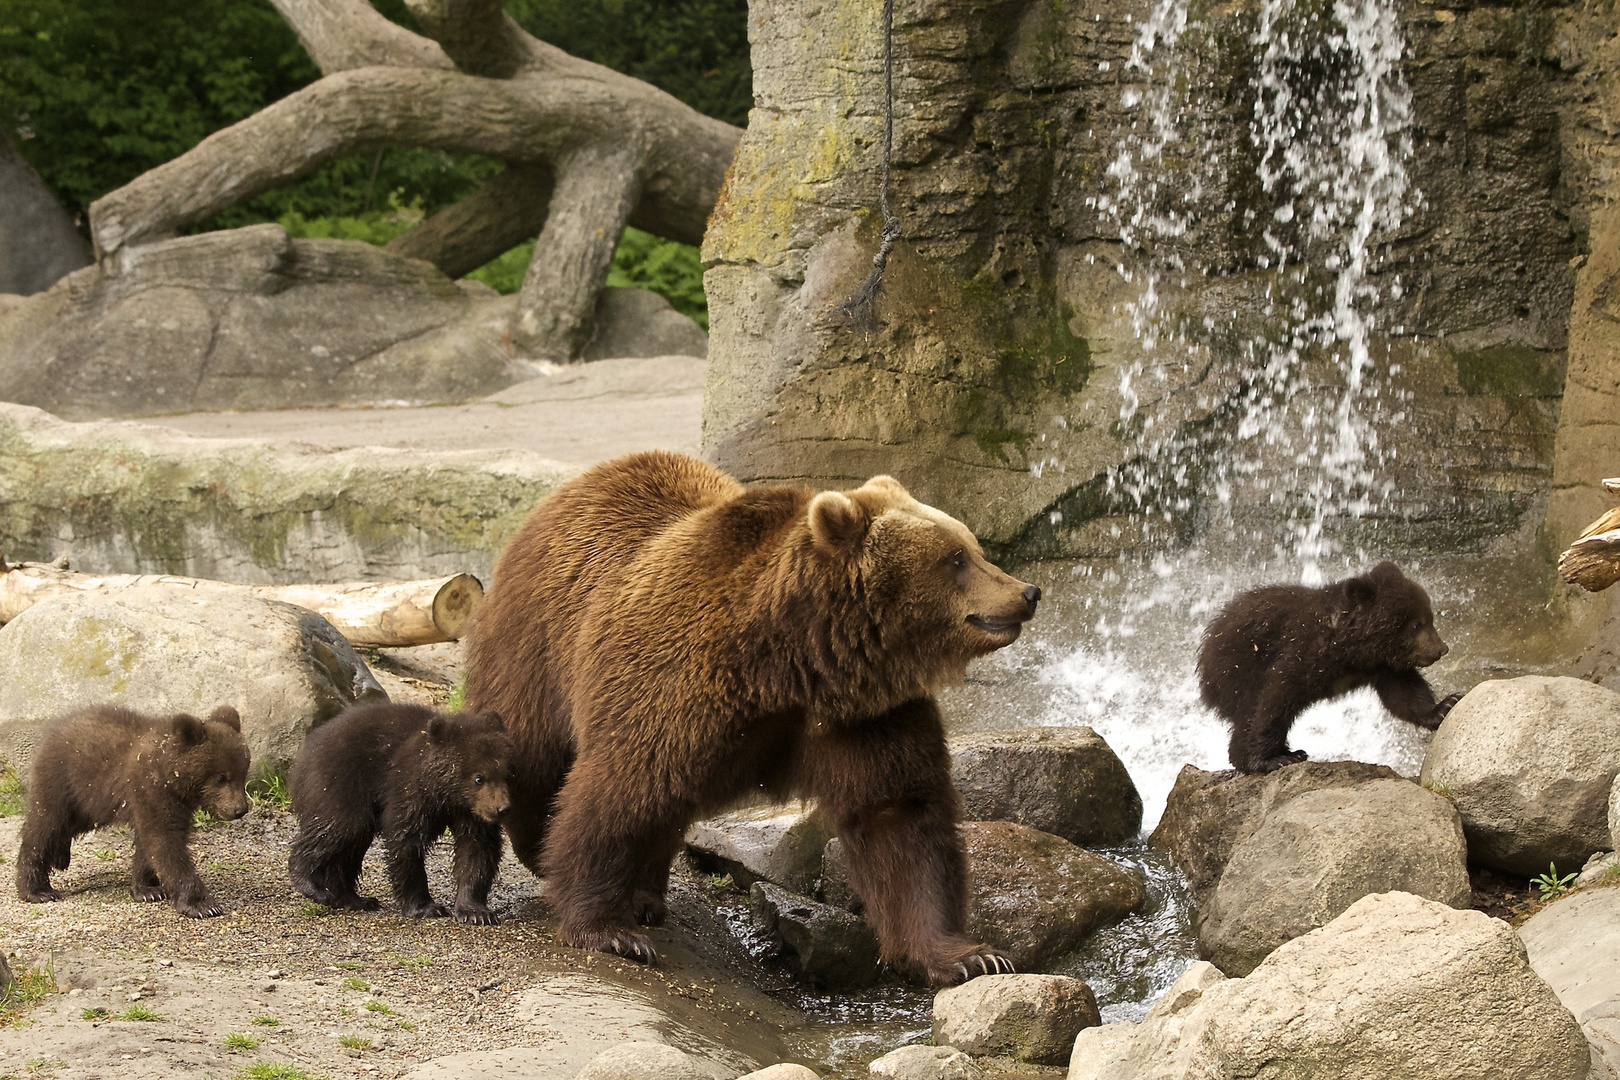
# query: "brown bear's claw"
{"points": [[982, 960], [205, 910], [1443, 708], [43, 896], [632, 947]]}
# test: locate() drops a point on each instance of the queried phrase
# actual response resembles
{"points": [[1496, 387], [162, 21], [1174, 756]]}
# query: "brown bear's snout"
{"points": [[1032, 596]]}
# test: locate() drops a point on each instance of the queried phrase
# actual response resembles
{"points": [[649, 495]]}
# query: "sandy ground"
{"points": [[581, 413]]}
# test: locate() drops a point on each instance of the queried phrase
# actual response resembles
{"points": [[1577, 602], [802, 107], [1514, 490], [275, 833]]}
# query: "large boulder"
{"points": [[1208, 814], [1030, 1018], [1030, 893], [1530, 763], [1063, 781], [1575, 946], [778, 844], [925, 1063], [1318, 853], [1396, 986], [648, 1061], [164, 649], [133, 498], [640, 322], [38, 243]]}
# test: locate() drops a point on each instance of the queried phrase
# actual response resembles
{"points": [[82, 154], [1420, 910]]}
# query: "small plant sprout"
{"points": [[353, 983], [266, 1020], [94, 1014], [139, 1012], [270, 791], [1551, 885], [106, 854], [355, 1042], [379, 1007], [237, 1041], [28, 987], [347, 965]]}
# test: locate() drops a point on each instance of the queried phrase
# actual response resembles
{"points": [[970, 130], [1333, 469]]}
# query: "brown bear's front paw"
{"points": [[650, 909], [357, 903], [476, 916], [619, 940], [148, 894], [963, 964], [204, 908], [429, 910], [1442, 709], [46, 895]]}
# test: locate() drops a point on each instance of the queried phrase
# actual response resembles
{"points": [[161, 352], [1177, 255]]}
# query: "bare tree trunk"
{"points": [[620, 150]]}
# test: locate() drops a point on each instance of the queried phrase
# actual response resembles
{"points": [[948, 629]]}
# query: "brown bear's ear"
{"points": [[227, 715], [188, 729], [439, 729], [1360, 590], [837, 522]]}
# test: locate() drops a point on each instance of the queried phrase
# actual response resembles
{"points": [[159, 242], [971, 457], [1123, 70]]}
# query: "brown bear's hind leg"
{"points": [[478, 857], [885, 782], [327, 872], [1260, 740]]}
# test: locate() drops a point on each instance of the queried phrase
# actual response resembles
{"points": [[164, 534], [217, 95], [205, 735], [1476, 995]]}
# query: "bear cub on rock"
{"points": [[107, 764], [1275, 651], [408, 773]]}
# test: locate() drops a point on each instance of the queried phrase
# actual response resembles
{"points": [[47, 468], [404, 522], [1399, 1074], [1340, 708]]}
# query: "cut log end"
{"points": [[454, 604]]}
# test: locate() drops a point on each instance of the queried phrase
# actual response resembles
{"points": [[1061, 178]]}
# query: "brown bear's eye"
{"points": [[958, 560]]}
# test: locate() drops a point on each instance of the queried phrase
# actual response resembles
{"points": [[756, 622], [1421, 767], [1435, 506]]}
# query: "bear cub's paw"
{"points": [[149, 894], [959, 965], [428, 910], [204, 908], [650, 909], [1442, 709], [476, 916], [1272, 764], [42, 896]]}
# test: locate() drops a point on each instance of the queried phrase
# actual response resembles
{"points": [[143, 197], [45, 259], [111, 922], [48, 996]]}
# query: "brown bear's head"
{"points": [[1396, 620], [926, 582], [478, 750], [208, 762]]}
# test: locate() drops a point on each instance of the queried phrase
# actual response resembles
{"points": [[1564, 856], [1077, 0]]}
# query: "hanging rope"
{"points": [[859, 308]]}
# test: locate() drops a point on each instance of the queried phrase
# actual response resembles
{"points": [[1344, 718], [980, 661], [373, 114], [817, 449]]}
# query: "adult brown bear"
{"points": [[664, 642]]}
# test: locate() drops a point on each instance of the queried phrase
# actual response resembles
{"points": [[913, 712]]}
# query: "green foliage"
{"points": [[13, 796], [696, 50], [270, 791], [140, 1012], [1551, 885], [266, 1020], [354, 983], [266, 1070], [355, 1042], [379, 1007], [237, 1041], [28, 987], [94, 1014]]}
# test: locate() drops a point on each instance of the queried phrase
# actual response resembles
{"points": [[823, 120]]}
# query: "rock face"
{"points": [[164, 650], [781, 845], [38, 243], [127, 498], [1530, 763], [1315, 855], [925, 1063], [1030, 1018], [1574, 945], [1395, 986], [834, 949], [639, 322], [1008, 344], [1030, 893], [1036, 895], [1208, 814], [251, 319], [1063, 781]]}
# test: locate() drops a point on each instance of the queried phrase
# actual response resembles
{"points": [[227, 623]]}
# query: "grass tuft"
{"points": [[140, 1012], [378, 1007], [355, 1042], [267, 1070], [237, 1041], [270, 791], [354, 983], [28, 988], [266, 1020]]}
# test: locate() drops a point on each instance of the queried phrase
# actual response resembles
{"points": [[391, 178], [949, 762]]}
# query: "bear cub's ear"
{"points": [[888, 485], [188, 729], [493, 721], [439, 729], [1360, 591], [227, 715], [837, 522]]}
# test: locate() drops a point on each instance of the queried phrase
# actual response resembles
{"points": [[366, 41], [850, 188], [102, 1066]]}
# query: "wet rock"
{"points": [[781, 845], [648, 1061], [1036, 895], [1395, 986], [784, 1071], [1032, 1018], [1574, 945], [163, 649], [1030, 893], [1530, 763], [132, 498], [925, 1063], [834, 948], [1209, 813], [1316, 854], [1063, 781], [640, 322]]}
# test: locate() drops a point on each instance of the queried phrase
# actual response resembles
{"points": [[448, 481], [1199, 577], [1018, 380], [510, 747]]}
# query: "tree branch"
{"points": [[596, 188], [481, 37], [341, 35], [502, 213]]}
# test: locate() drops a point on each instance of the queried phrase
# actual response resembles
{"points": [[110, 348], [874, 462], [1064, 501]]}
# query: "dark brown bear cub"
{"points": [[1273, 652], [408, 773], [108, 764], [664, 642]]}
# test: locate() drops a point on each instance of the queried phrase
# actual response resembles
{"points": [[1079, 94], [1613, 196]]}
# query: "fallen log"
{"points": [[1593, 560], [365, 612]]}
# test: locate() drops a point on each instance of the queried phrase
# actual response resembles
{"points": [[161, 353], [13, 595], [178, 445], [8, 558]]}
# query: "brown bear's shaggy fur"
{"points": [[409, 773], [1273, 652], [108, 764], [664, 643]]}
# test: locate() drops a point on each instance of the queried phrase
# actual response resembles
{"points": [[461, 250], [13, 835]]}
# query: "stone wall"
{"points": [[993, 381]]}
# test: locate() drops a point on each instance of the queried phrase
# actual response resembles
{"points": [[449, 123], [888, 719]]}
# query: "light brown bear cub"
{"points": [[664, 642], [108, 764]]}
